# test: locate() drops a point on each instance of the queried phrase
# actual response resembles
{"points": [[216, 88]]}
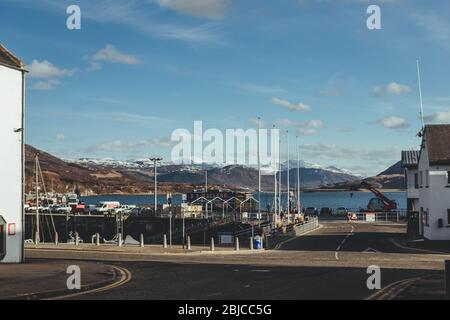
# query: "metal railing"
{"points": [[307, 226]]}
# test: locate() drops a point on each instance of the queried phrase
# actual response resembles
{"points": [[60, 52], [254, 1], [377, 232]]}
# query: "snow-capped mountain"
{"points": [[310, 165]]}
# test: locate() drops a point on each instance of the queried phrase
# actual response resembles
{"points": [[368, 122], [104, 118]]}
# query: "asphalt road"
{"points": [[329, 263]]}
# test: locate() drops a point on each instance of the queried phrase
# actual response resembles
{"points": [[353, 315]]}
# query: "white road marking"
{"points": [[215, 294], [336, 254], [278, 246]]}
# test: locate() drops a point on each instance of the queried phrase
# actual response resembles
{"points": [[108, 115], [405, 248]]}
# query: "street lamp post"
{"points": [[155, 163]]}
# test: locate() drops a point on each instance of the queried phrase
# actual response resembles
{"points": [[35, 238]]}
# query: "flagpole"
{"points": [[259, 170], [275, 167], [288, 178], [279, 180], [420, 95], [298, 177]]}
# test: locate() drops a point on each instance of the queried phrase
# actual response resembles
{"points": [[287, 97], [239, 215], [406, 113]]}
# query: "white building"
{"points": [[12, 85], [434, 183], [410, 163]]}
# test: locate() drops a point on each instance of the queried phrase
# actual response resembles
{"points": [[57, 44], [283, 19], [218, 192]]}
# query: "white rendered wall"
{"points": [[11, 207], [435, 198]]}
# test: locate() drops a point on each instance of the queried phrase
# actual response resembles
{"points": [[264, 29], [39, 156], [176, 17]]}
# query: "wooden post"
{"points": [[165, 242], [189, 242], [236, 244], [97, 239]]}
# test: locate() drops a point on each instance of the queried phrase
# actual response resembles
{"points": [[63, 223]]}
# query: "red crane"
{"points": [[381, 202]]}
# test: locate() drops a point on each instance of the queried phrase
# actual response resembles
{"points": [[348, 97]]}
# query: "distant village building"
{"points": [[434, 183], [12, 85]]}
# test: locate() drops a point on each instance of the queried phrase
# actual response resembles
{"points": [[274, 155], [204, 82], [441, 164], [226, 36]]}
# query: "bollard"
{"points": [[447, 278], [120, 242], [266, 246], [236, 244], [251, 243], [189, 242], [56, 238], [77, 239], [165, 242], [142, 240], [212, 248], [97, 239], [36, 238]]}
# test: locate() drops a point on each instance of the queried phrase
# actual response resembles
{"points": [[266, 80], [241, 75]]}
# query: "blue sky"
{"points": [[137, 70]]}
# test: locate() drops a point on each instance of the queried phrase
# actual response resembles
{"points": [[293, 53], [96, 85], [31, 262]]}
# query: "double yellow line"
{"points": [[393, 290], [124, 276]]}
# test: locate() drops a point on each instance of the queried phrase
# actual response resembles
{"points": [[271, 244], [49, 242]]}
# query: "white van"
{"points": [[106, 206]]}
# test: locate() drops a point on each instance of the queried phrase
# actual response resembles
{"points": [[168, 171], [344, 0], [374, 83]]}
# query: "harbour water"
{"points": [[312, 199]]}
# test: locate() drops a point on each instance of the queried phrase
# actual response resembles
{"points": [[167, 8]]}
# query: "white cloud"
{"points": [[261, 89], [111, 54], [212, 9], [121, 145], [438, 117], [60, 136], [307, 128], [46, 70], [291, 106], [436, 27], [310, 128], [393, 88], [46, 84], [392, 122]]}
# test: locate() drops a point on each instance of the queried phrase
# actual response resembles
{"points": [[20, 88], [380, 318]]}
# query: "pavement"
{"points": [[328, 263], [43, 279], [148, 250]]}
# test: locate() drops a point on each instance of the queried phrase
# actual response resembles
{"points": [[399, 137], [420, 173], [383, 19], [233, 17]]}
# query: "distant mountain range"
{"points": [[108, 176]]}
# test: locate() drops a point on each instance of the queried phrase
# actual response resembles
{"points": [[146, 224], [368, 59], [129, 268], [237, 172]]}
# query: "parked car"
{"points": [[311, 211], [326, 212], [342, 211]]}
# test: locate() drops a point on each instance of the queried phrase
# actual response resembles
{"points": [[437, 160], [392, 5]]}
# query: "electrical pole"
{"points": [[155, 162]]}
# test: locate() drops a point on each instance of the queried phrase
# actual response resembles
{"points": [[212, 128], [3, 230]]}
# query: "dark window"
{"points": [[448, 177], [448, 216], [416, 180]]}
